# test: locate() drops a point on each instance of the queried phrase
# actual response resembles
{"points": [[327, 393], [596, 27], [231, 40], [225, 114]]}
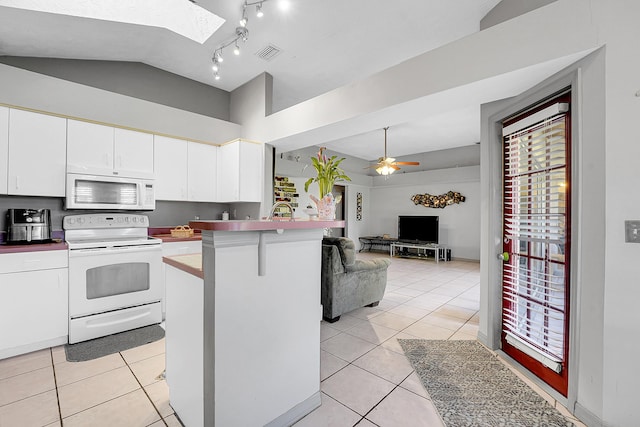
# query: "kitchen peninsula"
{"points": [[243, 328]]}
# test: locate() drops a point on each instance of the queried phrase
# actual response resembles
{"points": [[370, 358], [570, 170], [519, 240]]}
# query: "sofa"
{"points": [[348, 283]]}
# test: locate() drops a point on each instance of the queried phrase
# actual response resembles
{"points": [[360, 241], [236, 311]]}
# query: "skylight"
{"points": [[179, 16]]}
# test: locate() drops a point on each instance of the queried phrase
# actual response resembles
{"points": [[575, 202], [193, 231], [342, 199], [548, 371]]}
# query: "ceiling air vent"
{"points": [[268, 52]]}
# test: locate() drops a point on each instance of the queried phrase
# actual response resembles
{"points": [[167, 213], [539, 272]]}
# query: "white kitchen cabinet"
{"points": [[4, 148], [37, 159], [89, 148], [133, 153], [170, 163], [240, 172], [202, 172], [176, 248], [104, 150], [33, 301]]}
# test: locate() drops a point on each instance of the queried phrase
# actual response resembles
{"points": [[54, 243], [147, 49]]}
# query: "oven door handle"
{"points": [[112, 250]]}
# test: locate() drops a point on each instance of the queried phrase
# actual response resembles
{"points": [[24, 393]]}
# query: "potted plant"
{"points": [[328, 173]]}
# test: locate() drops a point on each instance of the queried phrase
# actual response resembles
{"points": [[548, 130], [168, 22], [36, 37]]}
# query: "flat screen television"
{"points": [[418, 229]]}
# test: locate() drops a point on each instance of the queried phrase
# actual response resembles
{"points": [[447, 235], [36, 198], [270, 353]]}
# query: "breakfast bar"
{"points": [[243, 327]]}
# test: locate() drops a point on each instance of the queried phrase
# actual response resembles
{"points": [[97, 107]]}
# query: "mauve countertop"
{"points": [[259, 225], [164, 234], [58, 244]]}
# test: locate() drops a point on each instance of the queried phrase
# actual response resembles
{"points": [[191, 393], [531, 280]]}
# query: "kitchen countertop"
{"points": [[36, 247], [164, 234], [189, 263], [258, 225]]}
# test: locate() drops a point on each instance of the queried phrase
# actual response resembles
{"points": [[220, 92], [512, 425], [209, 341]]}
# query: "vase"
{"points": [[326, 207]]}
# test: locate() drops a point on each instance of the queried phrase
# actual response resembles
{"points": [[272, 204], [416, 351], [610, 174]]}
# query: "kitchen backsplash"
{"points": [[166, 213]]}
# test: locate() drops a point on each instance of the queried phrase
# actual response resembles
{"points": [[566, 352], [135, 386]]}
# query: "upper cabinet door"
{"points": [[4, 148], [202, 172], [228, 169], [251, 172], [170, 165], [37, 154], [89, 148], [240, 170], [133, 154]]}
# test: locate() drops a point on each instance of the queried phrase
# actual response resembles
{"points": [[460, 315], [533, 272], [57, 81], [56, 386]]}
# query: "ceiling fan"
{"points": [[388, 165]]}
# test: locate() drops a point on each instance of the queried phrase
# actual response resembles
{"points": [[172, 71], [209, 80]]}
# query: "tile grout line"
{"points": [[55, 383], [143, 390]]}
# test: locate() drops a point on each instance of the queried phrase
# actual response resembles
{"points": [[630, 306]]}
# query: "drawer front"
{"points": [[32, 261]]}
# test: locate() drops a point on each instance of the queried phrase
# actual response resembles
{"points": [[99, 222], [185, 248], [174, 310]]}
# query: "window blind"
{"points": [[535, 176]]}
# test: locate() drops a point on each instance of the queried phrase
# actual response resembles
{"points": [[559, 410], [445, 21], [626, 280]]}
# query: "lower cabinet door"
{"points": [[33, 310]]}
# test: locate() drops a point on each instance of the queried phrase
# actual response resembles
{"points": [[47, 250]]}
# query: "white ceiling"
{"points": [[325, 44]]}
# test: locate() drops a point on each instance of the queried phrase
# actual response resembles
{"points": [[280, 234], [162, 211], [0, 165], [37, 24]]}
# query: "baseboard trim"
{"points": [[298, 412], [28, 348], [587, 417], [482, 337]]}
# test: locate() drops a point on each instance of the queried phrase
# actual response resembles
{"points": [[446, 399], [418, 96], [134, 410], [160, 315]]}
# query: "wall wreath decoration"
{"points": [[441, 201]]}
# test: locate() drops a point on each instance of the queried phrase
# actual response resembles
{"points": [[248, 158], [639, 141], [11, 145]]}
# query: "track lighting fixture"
{"points": [[242, 32]]}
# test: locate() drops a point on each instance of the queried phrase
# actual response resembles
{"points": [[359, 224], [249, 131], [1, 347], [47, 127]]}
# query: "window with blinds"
{"points": [[535, 222]]}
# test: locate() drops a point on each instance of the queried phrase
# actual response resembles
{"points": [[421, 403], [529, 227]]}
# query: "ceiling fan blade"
{"points": [[395, 167], [408, 163]]}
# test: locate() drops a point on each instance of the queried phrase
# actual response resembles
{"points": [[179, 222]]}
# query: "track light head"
{"points": [[259, 12], [217, 76], [236, 49]]}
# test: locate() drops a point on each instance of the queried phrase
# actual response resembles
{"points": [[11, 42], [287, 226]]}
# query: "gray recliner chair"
{"points": [[348, 283]]}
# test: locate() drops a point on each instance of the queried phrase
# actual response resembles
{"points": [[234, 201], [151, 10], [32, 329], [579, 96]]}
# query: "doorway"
{"points": [[537, 239], [339, 191]]}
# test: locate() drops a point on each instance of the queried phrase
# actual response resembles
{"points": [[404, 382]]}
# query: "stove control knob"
{"points": [[135, 219], [71, 221], [126, 219], [119, 219], [80, 220]]}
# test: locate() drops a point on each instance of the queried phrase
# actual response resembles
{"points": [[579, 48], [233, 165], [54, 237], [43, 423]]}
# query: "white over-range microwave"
{"points": [[107, 192]]}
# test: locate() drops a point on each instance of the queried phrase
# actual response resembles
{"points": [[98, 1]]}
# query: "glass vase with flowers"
{"points": [[328, 173]]}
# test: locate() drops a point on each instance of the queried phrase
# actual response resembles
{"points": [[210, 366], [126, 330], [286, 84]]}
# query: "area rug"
{"points": [[99, 347], [470, 386]]}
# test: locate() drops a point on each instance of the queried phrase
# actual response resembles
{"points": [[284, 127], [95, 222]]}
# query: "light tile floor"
{"points": [[366, 379]]}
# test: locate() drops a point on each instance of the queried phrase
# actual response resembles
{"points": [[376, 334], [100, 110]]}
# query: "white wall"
{"points": [[27, 89], [459, 223]]}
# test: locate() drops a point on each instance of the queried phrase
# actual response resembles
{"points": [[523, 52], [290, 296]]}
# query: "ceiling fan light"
{"points": [[384, 170]]}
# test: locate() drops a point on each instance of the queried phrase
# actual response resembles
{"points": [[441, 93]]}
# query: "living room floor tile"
{"points": [[393, 344], [428, 332], [330, 414], [414, 385], [371, 332], [406, 409], [356, 388], [407, 310], [442, 321], [346, 322], [347, 347], [326, 331], [387, 364], [330, 364], [393, 321]]}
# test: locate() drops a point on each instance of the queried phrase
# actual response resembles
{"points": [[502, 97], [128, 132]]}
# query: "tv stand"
{"points": [[417, 250]]}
